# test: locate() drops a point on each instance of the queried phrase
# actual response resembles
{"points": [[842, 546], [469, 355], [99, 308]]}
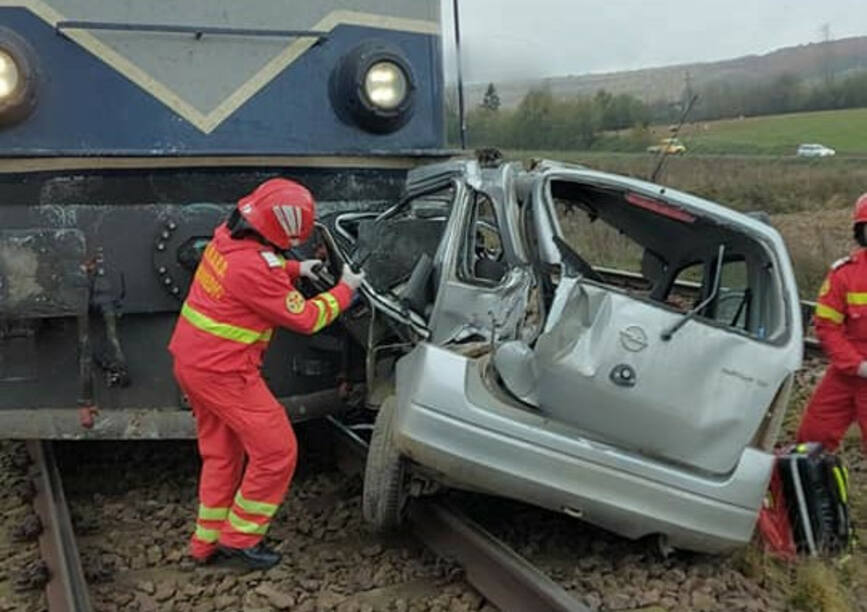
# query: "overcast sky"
{"points": [[504, 39]]}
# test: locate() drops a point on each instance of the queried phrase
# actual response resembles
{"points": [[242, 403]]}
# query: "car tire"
{"points": [[384, 495]]}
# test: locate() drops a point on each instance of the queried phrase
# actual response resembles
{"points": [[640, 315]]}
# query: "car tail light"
{"points": [[659, 207]]}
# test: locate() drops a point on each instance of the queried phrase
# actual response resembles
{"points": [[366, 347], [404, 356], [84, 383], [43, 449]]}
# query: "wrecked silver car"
{"points": [[590, 343]]}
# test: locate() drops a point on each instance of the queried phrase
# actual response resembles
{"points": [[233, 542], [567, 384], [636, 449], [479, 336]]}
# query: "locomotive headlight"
{"points": [[19, 77], [9, 75], [385, 85], [373, 87]]}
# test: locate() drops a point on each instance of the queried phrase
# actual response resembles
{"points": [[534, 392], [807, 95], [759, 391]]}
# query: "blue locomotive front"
{"points": [[128, 130]]}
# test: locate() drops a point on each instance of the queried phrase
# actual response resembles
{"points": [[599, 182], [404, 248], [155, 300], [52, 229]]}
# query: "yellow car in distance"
{"points": [[668, 146]]}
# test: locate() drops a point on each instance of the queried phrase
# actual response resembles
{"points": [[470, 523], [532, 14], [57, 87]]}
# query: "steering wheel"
{"points": [[482, 250], [574, 261]]}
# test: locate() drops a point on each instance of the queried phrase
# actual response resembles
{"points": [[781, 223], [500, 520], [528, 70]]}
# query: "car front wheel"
{"points": [[384, 495]]}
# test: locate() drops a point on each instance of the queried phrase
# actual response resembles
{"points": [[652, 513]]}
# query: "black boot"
{"points": [[258, 557]]}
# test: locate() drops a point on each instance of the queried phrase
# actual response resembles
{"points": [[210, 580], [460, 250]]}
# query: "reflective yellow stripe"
{"points": [[857, 299], [223, 330], [207, 535], [841, 485], [255, 507], [801, 448], [245, 526], [333, 304], [322, 318], [212, 514], [826, 312]]}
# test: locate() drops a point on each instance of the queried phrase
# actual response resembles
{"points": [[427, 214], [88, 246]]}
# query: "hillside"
{"points": [[810, 61]]}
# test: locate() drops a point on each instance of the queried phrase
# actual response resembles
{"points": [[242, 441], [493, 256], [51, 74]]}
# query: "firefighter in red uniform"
{"points": [[841, 324], [242, 289]]}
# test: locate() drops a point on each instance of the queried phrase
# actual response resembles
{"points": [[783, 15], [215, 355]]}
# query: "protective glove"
{"points": [[862, 369], [309, 268], [352, 279]]}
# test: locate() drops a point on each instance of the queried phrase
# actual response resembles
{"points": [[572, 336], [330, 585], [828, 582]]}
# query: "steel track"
{"points": [[66, 590], [501, 575]]}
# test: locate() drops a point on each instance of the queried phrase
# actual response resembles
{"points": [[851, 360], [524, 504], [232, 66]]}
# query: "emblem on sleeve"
{"points": [[294, 302], [825, 288]]}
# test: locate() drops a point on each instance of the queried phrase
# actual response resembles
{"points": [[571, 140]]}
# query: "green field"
{"points": [[844, 130]]}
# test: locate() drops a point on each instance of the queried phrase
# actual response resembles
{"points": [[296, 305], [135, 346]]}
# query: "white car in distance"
{"points": [[815, 150]]}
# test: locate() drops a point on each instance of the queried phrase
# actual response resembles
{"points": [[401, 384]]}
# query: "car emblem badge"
{"points": [[633, 339]]}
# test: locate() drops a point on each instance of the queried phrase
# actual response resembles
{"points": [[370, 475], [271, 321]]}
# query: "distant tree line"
{"points": [[784, 94], [621, 122], [542, 121]]}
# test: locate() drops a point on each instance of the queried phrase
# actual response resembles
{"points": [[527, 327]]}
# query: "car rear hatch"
{"points": [[679, 361]]}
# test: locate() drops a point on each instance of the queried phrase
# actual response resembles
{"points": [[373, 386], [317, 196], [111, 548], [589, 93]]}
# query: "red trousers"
{"points": [[839, 400], [237, 415]]}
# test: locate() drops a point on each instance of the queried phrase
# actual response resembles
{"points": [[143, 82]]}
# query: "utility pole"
{"points": [[461, 115], [688, 93], [825, 33]]}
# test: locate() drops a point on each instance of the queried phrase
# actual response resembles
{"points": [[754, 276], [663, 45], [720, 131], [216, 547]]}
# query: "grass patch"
{"points": [[828, 585], [842, 130], [815, 239], [817, 586]]}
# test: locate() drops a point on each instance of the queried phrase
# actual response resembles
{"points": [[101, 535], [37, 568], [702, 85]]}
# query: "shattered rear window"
{"points": [[670, 256], [601, 244]]}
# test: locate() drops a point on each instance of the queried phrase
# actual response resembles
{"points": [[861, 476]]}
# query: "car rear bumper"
{"points": [[475, 440]]}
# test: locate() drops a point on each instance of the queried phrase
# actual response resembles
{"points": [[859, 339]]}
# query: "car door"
{"points": [[450, 239], [483, 287], [639, 371]]}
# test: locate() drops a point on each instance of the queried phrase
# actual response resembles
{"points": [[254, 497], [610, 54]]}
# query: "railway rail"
{"points": [[502, 576], [66, 590], [506, 579]]}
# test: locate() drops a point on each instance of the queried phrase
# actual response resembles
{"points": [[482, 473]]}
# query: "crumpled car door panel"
{"points": [[463, 310], [697, 399]]}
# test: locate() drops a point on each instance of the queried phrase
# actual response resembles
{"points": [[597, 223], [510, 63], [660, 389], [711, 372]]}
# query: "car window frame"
{"points": [[463, 273]]}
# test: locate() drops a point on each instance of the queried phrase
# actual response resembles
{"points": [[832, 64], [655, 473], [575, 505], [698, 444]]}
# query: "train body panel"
{"points": [[106, 92], [131, 130], [134, 277]]}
